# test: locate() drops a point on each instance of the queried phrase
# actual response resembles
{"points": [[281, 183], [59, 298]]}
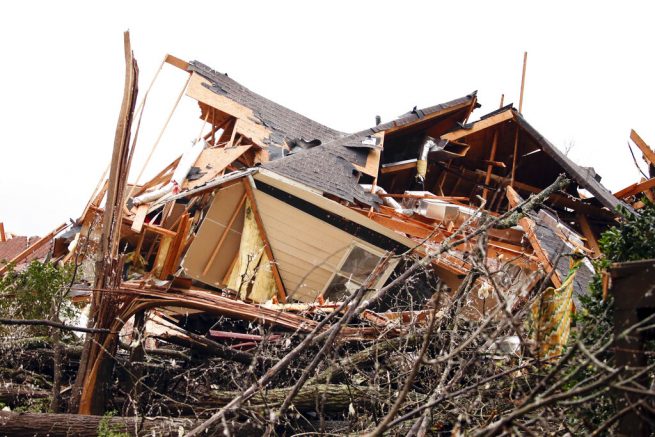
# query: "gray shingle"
{"points": [[283, 123]]}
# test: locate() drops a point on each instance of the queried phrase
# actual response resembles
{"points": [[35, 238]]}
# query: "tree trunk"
{"points": [[65, 425], [333, 397], [13, 394]]}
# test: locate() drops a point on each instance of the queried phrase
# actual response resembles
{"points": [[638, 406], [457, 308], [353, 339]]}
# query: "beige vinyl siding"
{"points": [[307, 250]]}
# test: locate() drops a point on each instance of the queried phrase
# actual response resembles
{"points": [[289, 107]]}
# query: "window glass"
{"points": [[359, 264]]}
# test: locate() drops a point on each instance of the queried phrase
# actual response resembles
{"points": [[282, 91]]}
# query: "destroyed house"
{"points": [[268, 205]]}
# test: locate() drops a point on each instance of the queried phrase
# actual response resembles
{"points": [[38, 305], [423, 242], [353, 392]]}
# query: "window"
{"points": [[354, 270]]}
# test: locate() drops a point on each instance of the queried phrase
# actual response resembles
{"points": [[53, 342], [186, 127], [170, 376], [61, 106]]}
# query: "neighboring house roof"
{"points": [[586, 177], [12, 247], [329, 167], [285, 125]]}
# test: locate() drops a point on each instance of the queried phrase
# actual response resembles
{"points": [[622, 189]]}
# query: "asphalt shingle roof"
{"points": [[284, 124]]}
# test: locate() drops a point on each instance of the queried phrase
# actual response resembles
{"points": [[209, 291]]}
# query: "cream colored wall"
{"points": [[307, 250]]}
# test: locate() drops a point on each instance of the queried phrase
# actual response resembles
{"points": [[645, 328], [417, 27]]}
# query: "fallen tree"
{"points": [[65, 425]]}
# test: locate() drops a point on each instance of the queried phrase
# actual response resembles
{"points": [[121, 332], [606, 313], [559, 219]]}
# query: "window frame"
{"points": [[370, 249]]}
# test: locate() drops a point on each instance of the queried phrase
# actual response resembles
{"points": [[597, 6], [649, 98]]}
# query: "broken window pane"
{"points": [[354, 271], [359, 264]]}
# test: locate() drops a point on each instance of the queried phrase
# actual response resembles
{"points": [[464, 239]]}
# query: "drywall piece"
{"points": [[207, 238]]}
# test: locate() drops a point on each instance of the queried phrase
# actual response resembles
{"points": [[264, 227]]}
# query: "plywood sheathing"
{"points": [[215, 224]]}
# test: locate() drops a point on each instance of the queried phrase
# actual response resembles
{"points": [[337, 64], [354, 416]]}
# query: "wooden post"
{"points": [[492, 156], [525, 62], [592, 242], [516, 151]]}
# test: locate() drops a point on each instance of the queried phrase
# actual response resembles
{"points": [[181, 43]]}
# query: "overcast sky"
{"points": [[589, 77]]}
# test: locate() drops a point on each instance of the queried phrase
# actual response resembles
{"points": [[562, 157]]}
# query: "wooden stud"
{"points": [[176, 62], [649, 155], [525, 63], [516, 152], [281, 292], [634, 189], [235, 214], [492, 156], [139, 218], [592, 242], [399, 167]]}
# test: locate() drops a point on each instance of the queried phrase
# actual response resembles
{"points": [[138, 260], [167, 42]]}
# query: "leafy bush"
{"points": [[35, 292], [631, 240]]}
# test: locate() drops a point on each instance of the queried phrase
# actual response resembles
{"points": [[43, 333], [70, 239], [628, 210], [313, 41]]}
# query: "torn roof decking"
{"points": [[330, 167], [284, 124], [480, 133]]}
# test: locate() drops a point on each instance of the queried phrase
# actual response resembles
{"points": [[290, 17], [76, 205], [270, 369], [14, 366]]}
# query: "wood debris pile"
{"points": [[274, 242]]}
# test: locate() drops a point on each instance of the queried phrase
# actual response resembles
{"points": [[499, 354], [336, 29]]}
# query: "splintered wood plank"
{"points": [[588, 233], [214, 161], [176, 62], [479, 125], [398, 167], [633, 189], [649, 155], [139, 218]]}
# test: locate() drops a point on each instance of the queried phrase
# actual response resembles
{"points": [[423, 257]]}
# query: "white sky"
{"points": [[589, 79]]}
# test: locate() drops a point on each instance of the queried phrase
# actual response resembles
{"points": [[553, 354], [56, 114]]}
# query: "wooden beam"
{"points": [[592, 242], [479, 125], [498, 164], [139, 218], [176, 62], [525, 63], [174, 251], [281, 292], [403, 165], [634, 189], [648, 154], [516, 152], [492, 156], [470, 105]]}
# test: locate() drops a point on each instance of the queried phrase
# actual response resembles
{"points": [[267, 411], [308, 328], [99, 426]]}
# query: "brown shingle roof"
{"points": [[10, 248]]}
